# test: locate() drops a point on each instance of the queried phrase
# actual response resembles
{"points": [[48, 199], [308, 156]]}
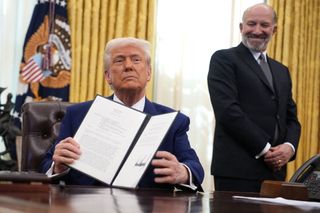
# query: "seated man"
{"points": [[127, 70]]}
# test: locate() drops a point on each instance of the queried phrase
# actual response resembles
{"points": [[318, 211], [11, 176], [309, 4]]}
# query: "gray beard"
{"points": [[262, 47]]}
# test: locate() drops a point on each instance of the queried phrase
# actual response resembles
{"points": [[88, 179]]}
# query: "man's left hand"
{"points": [[169, 169]]}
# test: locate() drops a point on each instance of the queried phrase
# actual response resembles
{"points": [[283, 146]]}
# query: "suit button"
{"points": [[273, 97], [278, 117]]}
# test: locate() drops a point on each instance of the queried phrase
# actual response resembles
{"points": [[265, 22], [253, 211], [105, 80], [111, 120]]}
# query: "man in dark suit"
{"points": [[257, 130], [127, 70]]}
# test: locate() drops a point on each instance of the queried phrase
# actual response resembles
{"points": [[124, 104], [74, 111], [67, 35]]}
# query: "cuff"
{"points": [[190, 185], [264, 151], [290, 144], [49, 173]]}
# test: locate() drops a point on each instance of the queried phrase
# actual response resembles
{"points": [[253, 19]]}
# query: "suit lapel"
{"points": [[246, 56], [149, 108]]}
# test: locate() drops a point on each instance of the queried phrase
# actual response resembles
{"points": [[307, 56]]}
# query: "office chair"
{"points": [[40, 127], [309, 175]]}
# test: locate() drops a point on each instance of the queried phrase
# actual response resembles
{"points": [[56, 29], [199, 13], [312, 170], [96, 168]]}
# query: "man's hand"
{"points": [[278, 156], [169, 169], [66, 152]]}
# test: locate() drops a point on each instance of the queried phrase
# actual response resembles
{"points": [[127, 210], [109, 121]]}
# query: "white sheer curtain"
{"points": [[15, 16], [188, 32]]}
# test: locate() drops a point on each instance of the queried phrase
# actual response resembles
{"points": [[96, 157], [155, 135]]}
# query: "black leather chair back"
{"points": [[40, 127]]}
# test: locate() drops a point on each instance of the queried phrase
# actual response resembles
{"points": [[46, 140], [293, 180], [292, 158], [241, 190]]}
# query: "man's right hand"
{"points": [[66, 152], [278, 156]]}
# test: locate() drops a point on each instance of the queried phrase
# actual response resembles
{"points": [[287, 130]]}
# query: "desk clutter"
{"points": [[288, 190], [23, 177], [25, 181]]}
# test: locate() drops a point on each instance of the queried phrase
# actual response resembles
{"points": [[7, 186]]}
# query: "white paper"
{"points": [[305, 205], [144, 150], [105, 136]]}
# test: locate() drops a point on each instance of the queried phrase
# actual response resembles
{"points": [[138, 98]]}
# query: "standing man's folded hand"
{"points": [[278, 156]]}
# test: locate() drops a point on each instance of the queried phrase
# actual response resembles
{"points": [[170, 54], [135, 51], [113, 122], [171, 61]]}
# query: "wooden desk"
{"points": [[73, 199]]}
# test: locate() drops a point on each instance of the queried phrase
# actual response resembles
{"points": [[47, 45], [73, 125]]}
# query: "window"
{"points": [[188, 32], [15, 16]]}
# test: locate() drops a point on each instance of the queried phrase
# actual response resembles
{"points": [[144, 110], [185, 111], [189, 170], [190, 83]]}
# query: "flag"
{"points": [[46, 61], [32, 71]]}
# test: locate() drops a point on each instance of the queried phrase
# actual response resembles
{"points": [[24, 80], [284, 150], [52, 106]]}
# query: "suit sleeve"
{"points": [[293, 127], [183, 151], [223, 89]]}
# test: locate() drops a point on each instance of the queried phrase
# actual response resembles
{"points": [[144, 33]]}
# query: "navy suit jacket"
{"points": [[246, 111], [175, 142]]}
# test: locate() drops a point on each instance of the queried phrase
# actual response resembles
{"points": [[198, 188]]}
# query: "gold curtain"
{"points": [[93, 23], [297, 45]]}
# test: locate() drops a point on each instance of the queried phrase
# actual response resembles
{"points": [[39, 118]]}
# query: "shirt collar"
{"points": [[138, 106], [257, 54]]}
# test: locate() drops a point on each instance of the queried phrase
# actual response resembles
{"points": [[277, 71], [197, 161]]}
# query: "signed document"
{"points": [[118, 142]]}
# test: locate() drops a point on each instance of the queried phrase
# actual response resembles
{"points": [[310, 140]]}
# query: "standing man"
{"points": [[127, 70], [257, 130]]}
